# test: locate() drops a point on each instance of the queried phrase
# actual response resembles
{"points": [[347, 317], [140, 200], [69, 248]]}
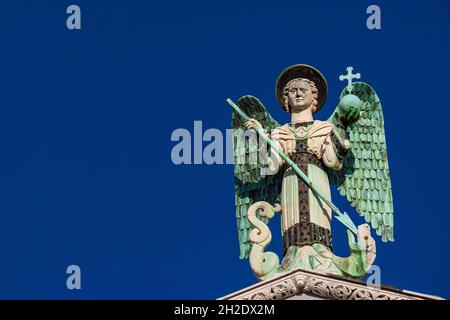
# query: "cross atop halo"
{"points": [[349, 77]]}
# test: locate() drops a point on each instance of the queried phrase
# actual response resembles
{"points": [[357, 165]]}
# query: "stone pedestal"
{"points": [[307, 285]]}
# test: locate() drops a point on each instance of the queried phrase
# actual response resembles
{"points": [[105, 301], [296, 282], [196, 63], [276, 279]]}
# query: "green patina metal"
{"points": [[365, 180], [250, 185]]}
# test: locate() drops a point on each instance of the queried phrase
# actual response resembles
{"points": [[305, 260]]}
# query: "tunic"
{"points": [[312, 146]]}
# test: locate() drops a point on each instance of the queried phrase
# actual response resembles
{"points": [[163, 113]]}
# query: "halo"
{"points": [[302, 71]]}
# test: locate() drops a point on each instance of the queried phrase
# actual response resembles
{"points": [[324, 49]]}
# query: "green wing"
{"points": [[364, 178], [250, 186]]}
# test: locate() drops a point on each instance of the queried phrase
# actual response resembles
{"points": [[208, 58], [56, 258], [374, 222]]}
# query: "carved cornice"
{"points": [[300, 282]]}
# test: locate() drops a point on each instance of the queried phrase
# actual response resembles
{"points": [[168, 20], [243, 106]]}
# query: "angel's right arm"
{"points": [[275, 162]]}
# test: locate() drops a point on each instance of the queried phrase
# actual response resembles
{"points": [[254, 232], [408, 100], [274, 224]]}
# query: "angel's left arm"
{"points": [[336, 149]]}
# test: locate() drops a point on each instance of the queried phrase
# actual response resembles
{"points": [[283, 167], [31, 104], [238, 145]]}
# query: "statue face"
{"points": [[300, 96]]}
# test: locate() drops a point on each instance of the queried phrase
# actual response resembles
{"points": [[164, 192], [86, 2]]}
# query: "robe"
{"points": [[312, 146]]}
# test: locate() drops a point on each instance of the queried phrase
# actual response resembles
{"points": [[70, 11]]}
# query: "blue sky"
{"points": [[86, 116]]}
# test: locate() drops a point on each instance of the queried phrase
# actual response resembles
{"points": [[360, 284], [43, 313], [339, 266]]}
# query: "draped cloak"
{"points": [[305, 218]]}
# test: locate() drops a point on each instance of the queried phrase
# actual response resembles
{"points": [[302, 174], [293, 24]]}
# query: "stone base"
{"points": [[307, 285]]}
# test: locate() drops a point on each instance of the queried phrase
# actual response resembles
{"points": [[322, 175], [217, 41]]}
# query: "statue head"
{"points": [[300, 94], [300, 87]]}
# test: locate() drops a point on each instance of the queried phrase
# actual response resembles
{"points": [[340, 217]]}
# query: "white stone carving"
{"points": [[301, 282]]}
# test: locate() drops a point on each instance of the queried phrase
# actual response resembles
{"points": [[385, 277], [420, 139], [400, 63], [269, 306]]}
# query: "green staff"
{"points": [[342, 217]]}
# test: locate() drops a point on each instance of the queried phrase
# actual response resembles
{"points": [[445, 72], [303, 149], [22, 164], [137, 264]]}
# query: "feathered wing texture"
{"points": [[250, 185], [364, 178]]}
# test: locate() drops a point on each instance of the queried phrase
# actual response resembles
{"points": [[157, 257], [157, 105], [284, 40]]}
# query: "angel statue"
{"points": [[305, 158]]}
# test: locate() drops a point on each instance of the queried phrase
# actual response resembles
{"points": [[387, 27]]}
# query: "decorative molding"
{"points": [[300, 282]]}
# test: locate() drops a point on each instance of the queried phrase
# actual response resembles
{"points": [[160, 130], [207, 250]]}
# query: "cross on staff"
{"points": [[349, 77]]}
